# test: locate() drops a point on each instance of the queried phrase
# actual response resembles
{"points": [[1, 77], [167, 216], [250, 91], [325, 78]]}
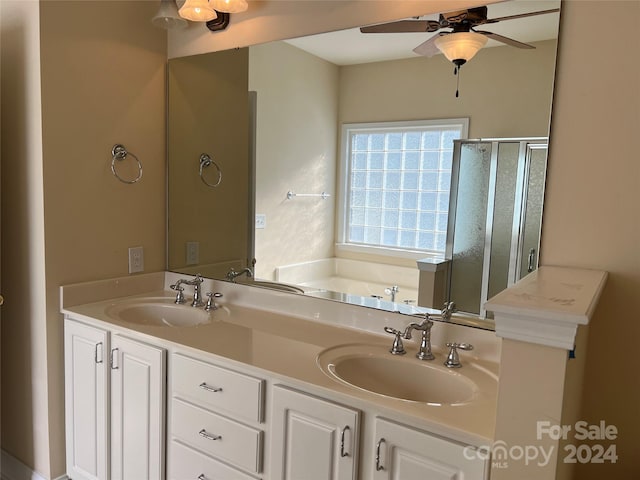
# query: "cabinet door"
{"points": [[408, 454], [137, 410], [86, 373], [312, 438]]}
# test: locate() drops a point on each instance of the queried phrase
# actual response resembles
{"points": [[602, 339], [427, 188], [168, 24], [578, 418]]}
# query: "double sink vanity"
{"points": [[265, 385]]}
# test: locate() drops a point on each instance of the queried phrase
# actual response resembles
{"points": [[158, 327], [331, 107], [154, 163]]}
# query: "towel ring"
{"points": [[119, 152], [205, 161]]}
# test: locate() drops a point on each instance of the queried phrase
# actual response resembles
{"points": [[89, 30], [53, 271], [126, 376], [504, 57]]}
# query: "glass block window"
{"points": [[398, 177]]}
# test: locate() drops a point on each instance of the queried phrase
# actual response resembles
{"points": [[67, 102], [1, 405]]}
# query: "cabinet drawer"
{"points": [[217, 436], [188, 464], [217, 388]]}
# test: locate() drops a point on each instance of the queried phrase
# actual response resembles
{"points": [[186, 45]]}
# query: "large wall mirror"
{"points": [[265, 144]]}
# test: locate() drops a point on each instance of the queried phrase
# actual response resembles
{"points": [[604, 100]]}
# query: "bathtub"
{"points": [[352, 277]]}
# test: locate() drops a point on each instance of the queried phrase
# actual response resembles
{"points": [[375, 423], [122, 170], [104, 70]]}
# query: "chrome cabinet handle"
{"points": [[378, 446], [202, 477], [342, 452], [112, 359], [206, 387], [203, 433], [98, 360]]}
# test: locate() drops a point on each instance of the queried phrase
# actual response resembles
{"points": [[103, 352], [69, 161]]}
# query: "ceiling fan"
{"points": [[460, 21]]}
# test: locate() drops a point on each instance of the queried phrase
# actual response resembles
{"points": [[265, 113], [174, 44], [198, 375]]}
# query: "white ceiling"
{"points": [[349, 47]]}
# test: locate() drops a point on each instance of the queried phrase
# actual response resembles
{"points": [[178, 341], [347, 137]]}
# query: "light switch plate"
{"points": [[261, 220]]}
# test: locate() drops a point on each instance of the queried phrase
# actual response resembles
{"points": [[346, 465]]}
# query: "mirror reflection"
{"points": [[337, 169]]}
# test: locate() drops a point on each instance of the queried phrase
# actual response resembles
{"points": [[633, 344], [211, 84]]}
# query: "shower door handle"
{"points": [[532, 257]]}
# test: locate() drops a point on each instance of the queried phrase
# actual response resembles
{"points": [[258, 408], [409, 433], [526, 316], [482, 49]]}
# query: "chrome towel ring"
{"points": [[119, 152], [206, 161]]}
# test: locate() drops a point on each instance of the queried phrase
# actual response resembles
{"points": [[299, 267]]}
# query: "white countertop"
{"points": [[286, 347]]}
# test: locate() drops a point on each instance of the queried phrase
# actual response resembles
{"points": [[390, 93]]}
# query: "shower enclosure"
{"points": [[493, 235]]}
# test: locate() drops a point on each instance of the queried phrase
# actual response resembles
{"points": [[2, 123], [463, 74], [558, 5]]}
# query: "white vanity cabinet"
{"points": [[86, 362], [312, 438], [215, 421], [402, 452], [114, 405]]}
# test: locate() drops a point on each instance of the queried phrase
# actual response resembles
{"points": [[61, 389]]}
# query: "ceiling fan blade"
{"points": [[402, 26], [505, 40], [521, 15], [428, 48]]}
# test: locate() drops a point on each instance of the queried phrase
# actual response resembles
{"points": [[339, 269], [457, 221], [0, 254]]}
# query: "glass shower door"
{"points": [[467, 226], [495, 216]]}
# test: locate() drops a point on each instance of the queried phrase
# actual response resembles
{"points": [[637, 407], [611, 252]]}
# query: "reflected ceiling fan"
{"points": [[460, 21], [463, 41]]}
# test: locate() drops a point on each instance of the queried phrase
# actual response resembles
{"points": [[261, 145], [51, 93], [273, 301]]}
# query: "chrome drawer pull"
{"points": [[202, 477], [378, 466], [208, 436], [342, 452], [206, 387]]}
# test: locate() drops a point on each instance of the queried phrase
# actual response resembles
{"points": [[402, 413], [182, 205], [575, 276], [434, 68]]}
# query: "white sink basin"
{"points": [[374, 369], [160, 312]]}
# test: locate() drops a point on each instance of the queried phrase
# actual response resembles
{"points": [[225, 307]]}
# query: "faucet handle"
{"points": [[211, 303], [453, 360], [397, 348], [179, 289]]}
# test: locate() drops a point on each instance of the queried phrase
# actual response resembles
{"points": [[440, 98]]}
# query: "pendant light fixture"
{"points": [[229, 6], [167, 16], [197, 11], [459, 48]]}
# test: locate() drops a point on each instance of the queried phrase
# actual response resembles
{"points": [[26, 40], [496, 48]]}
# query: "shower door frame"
{"points": [[526, 145]]}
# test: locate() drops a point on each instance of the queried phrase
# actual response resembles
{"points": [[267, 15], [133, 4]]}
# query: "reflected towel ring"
{"points": [[205, 161], [119, 152]]}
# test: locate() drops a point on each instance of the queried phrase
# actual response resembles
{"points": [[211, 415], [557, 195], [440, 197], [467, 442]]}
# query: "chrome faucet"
{"points": [[392, 291], [197, 294], [447, 310], [424, 352], [232, 274]]}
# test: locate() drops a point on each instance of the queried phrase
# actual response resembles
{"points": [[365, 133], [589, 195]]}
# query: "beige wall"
{"points": [[591, 209], [208, 113], [25, 429], [505, 92], [297, 111], [102, 82]]}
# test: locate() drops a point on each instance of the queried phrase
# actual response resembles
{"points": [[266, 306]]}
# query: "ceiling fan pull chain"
{"points": [[456, 72]]}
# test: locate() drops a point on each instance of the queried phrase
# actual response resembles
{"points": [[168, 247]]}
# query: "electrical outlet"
{"points": [[193, 253], [136, 259], [261, 220]]}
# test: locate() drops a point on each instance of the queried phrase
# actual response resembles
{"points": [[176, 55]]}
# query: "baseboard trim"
{"points": [[13, 469]]}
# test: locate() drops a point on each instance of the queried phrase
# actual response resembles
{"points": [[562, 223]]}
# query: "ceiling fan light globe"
{"points": [[460, 46]]}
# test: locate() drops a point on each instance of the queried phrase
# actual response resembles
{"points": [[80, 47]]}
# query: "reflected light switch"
{"points": [[261, 220]]}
